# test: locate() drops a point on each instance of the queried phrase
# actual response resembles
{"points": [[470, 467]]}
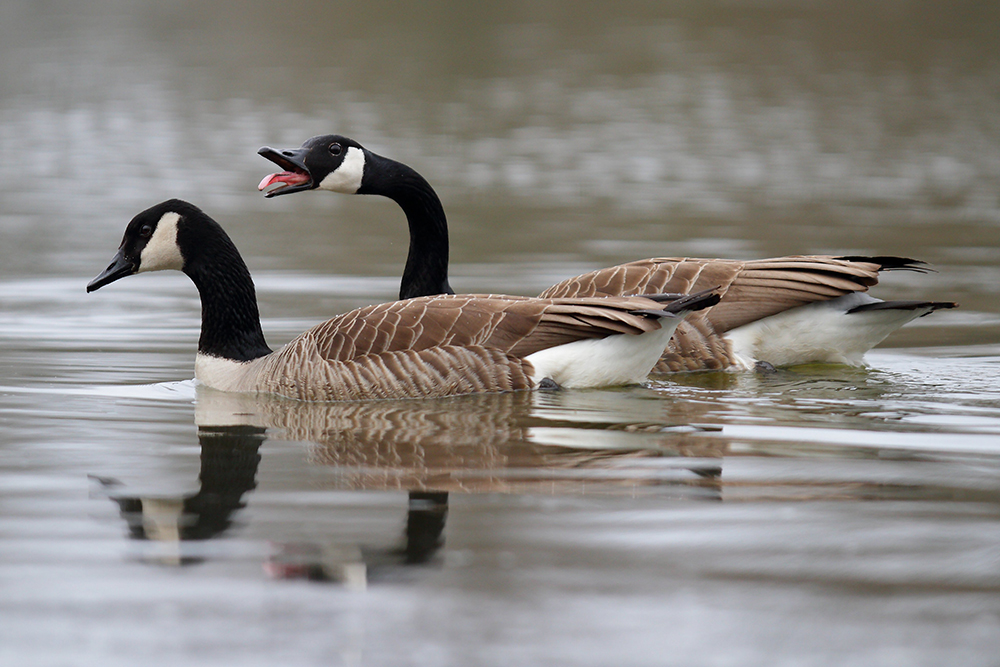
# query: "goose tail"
{"points": [[891, 263], [926, 306], [620, 358], [838, 331], [679, 305]]}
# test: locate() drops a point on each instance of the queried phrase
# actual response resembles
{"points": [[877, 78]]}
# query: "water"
{"points": [[820, 515]]}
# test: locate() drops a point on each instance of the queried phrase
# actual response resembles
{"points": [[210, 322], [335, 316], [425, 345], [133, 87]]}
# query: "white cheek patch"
{"points": [[346, 179], [162, 251]]}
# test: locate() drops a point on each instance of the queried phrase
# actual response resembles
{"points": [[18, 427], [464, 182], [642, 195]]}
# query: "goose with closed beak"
{"points": [[425, 347], [784, 311]]}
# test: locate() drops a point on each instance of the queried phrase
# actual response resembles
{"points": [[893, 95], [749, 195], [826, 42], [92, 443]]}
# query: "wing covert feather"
{"points": [[518, 326]]}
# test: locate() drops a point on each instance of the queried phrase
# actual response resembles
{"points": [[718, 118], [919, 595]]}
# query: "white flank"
{"points": [[161, 251], [614, 360], [346, 179], [822, 332]]}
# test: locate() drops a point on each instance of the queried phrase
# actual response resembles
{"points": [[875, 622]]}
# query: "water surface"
{"points": [[820, 515]]}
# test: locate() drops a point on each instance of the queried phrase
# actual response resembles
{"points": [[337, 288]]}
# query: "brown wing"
{"points": [[440, 346], [769, 286], [514, 325], [657, 275], [751, 289]]}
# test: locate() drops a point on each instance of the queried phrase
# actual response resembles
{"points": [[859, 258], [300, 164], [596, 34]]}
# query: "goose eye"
{"points": [[336, 149], [145, 231]]}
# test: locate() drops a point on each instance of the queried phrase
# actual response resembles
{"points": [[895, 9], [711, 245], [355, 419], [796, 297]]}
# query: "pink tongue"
{"points": [[286, 177]]}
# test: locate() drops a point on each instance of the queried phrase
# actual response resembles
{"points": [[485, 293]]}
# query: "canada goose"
{"points": [[431, 346], [783, 311]]}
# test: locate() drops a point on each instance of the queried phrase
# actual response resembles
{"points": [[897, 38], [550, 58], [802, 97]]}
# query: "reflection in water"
{"points": [[504, 443], [424, 525], [349, 563], [493, 443], [580, 443], [229, 460]]}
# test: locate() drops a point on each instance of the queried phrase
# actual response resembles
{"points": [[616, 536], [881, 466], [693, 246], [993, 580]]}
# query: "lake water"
{"points": [[817, 516]]}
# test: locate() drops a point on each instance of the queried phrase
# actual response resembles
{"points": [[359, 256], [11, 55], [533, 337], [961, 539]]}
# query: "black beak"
{"points": [[120, 267], [293, 161]]}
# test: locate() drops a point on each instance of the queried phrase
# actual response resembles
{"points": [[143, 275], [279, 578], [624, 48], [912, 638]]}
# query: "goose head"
{"points": [[328, 162], [150, 243], [338, 164], [180, 236], [173, 235]]}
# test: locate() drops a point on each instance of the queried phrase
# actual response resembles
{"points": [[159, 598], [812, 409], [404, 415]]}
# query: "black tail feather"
{"points": [[903, 305], [890, 263], [682, 303]]}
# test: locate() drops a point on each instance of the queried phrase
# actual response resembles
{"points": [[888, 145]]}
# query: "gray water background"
{"points": [[854, 520]]}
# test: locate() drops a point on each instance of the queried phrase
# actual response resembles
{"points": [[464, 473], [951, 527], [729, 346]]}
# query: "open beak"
{"points": [[120, 267], [296, 176]]}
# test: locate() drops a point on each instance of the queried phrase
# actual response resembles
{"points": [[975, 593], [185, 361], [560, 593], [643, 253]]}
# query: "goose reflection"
{"points": [[229, 460], [565, 442]]}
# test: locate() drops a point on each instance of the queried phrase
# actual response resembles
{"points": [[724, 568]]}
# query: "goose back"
{"points": [[751, 289]]}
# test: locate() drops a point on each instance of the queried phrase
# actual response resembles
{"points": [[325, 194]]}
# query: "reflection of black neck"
{"points": [[424, 525], [229, 460], [426, 271]]}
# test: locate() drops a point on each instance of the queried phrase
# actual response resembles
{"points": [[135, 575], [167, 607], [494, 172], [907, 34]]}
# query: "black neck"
{"points": [[426, 271], [230, 321]]}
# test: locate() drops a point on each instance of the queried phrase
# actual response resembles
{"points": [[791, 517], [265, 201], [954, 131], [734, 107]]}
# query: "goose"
{"points": [[430, 346], [782, 311]]}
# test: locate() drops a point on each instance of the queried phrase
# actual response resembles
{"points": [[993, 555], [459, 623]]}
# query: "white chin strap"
{"points": [[346, 178]]}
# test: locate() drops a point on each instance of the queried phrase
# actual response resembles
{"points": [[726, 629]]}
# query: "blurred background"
{"points": [[560, 135]]}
